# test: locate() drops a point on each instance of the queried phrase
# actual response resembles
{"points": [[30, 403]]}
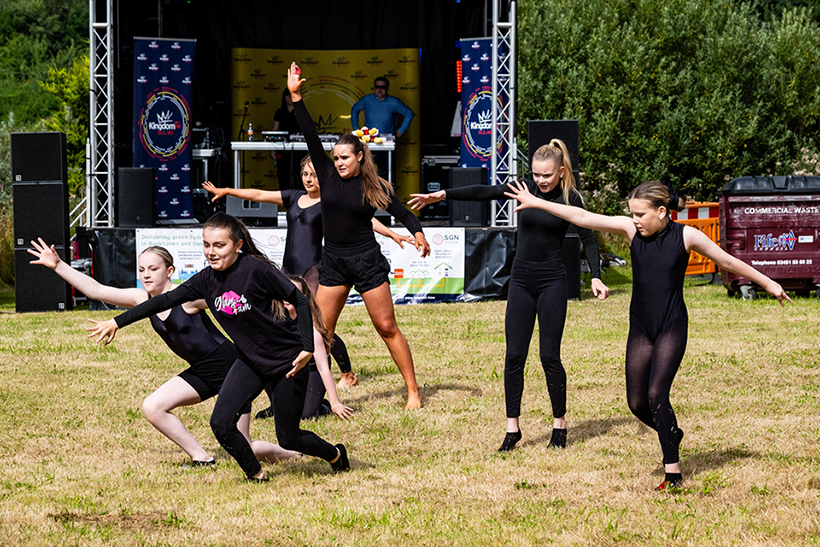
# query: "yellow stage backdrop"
{"points": [[335, 81]]}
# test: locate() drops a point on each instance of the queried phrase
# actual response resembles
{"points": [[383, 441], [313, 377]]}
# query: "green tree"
{"points": [[693, 92], [70, 87]]}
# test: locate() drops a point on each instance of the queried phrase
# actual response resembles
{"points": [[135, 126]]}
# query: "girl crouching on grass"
{"points": [[245, 292], [658, 320]]}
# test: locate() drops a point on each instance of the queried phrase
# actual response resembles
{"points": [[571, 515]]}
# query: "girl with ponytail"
{"points": [[658, 320], [351, 257], [538, 284], [241, 287]]}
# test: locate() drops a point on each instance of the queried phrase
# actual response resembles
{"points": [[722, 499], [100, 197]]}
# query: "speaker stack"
{"points": [[40, 194]]}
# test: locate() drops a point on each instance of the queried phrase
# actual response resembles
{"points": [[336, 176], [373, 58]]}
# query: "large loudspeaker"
{"points": [[136, 197], [38, 157], [40, 196], [37, 288], [252, 212], [541, 132], [468, 213]]}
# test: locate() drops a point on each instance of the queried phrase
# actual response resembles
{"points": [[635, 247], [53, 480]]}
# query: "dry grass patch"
{"points": [[80, 465]]}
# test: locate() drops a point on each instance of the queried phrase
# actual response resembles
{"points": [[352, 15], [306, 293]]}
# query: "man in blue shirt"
{"points": [[380, 110]]}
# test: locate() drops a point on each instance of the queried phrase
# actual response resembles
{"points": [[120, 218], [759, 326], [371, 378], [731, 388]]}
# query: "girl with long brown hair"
{"points": [[352, 192]]}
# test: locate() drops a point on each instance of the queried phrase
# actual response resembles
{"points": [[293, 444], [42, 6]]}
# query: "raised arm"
{"points": [[251, 194], [697, 241], [323, 366], [47, 256], [575, 215], [321, 162]]}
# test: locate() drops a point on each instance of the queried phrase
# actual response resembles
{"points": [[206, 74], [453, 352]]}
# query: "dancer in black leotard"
{"points": [[657, 314], [246, 294], [538, 285], [188, 331], [351, 256], [303, 244]]}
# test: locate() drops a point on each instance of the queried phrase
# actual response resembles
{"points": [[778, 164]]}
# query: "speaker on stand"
{"points": [[468, 213], [136, 197], [40, 195]]}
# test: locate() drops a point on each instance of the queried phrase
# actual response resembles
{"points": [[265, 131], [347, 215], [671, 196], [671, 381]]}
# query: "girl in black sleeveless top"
{"points": [[657, 314], [538, 284], [351, 257], [188, 331]]}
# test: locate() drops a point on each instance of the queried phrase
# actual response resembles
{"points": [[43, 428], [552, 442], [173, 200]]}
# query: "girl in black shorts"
{"points": [[657, 314], [538, 285], [245, 292], [352, 192], [303, 244], [188, 332]]}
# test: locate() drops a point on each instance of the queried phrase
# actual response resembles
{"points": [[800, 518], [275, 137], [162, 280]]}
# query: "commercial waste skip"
{"points": [[773, 224]]}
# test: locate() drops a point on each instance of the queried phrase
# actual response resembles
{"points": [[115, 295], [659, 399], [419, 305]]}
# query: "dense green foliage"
{"points": [[43, 87], [694, 92]]}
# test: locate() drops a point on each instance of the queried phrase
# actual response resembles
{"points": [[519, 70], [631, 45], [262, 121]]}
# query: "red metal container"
{"points": [[773, 224]]}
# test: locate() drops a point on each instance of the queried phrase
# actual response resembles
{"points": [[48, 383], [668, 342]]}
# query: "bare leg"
{"points": [[157, 407], [379, 304], [265, 451], [331, 300]]}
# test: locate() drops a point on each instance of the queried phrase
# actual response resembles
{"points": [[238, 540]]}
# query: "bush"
{"points": [[694, 92]]}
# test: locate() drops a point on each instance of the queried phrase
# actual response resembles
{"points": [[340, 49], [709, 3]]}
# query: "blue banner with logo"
{"points": [[476, 102], [163, 70]]}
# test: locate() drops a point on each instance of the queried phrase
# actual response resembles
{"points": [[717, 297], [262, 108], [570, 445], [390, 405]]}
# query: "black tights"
{"points": [[536, 289], [650, 368], [241, 386]]}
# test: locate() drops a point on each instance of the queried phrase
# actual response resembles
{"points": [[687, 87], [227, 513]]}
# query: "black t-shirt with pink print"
{"points": [[240, 299]]}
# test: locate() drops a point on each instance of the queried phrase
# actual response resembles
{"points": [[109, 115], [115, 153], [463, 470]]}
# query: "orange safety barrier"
{"points": [[704, 217]]}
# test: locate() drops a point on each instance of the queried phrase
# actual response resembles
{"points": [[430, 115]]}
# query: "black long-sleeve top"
{"points": [[240, 298], [540, 234], [346, 216]]}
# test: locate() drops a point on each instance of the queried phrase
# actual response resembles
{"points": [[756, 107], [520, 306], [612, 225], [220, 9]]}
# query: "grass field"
{"points": [[79, 464]]}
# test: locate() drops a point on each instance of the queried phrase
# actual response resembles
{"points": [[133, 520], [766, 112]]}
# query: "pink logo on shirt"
{"points": [[231, 303]]}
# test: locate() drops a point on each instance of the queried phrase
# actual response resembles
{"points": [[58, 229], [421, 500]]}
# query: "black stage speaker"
{"points": [[252, 212], [541, 132], [40, 196], [435, 176], [37, 288], [38, 157], [136, 197], [468, 213]]}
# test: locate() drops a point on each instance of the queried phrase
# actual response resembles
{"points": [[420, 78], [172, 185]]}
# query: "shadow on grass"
{"points": [[583, 431], [427, 392], [711, 460]]}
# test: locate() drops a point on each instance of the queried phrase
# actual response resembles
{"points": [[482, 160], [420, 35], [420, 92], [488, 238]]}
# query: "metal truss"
{"points": [[100, 158], [503, 163]]}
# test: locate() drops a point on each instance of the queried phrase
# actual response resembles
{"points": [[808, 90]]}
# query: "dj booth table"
{"points": [[291, 146]]}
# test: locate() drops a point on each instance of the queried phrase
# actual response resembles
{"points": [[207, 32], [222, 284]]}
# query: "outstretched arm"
{"points": [[575, 215], [697, 241], [251, 194], [47, 256], [323, 366]]}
